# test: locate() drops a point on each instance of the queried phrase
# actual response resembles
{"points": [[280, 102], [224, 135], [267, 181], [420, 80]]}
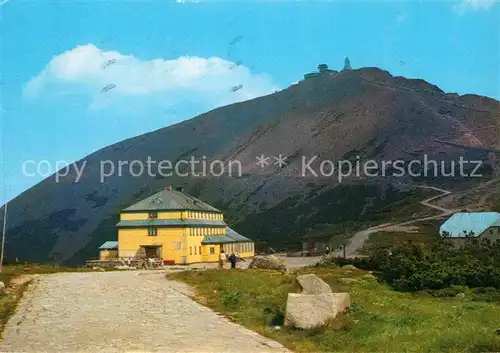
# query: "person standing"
{"points": [[222, 259], [233, 259]]}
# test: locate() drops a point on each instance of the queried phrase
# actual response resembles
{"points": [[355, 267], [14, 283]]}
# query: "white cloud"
{"points": [[86, 70], [474, 5]]}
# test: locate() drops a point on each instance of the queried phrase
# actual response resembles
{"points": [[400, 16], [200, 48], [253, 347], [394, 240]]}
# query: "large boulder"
{"points": [[269, 262], [307, 311], [2, 287], [312, 284]]}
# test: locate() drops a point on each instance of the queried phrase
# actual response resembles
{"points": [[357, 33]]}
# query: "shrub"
{"points": [[231, 298], [415, 268]]}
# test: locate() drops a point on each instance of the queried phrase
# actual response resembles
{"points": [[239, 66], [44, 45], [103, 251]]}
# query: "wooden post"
{"points": [[3, 235]]}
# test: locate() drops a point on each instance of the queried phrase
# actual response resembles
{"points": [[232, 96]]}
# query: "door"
{"points": [[152, 252]]}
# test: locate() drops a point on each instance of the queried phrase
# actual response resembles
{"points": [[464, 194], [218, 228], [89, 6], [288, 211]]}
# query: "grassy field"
{"points": [[10, 298], [380, 319]]}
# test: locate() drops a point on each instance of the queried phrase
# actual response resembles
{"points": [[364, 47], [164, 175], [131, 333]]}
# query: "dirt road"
{"points": [[359, 238], [121, 312]]}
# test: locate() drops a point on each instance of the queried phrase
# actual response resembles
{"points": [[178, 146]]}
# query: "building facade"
{"points": [[477, 228], [108, 251], [177, 228]]}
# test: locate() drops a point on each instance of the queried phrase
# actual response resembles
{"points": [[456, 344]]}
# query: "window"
{"points": [[152, 215], [195, 251], [190, 250], [212, 251], [152, 231], [491, 231], [199, 248]]}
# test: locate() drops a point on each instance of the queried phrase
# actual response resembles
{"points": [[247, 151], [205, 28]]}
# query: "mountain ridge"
{"points": [[364, 112]]}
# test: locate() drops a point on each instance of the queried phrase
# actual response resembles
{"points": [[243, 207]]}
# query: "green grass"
{"points": [[10, 298], [380, 319]]}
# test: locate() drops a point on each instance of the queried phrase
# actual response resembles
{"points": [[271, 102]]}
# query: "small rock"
{"points": [[347, 280], [2, 287], [270, 262], [368, 277], [349, 267], [273, 344], [312, 284], [277, 328], [460, 295], [126, 267], [101, 269]]}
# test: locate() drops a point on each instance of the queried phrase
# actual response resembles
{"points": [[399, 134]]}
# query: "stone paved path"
{"points": [[121, 312]]}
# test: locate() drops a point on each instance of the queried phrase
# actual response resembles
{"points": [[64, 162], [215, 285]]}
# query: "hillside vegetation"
{"points": [[425, 297], [380, 319]]}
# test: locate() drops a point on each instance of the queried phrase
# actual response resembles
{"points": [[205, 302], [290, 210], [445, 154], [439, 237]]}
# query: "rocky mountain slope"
{"points": [[351, 115]]}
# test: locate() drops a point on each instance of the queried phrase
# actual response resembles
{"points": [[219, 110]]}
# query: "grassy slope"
{"points": [[380, 320]]}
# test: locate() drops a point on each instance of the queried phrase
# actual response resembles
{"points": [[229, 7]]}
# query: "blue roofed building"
{"points": [[478, 227]]}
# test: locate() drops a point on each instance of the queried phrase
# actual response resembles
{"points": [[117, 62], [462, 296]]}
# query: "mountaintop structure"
{"points": [[347, 64]]}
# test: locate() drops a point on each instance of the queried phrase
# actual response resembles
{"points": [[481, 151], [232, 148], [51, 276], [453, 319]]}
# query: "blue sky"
{"points": [[172, 60]]}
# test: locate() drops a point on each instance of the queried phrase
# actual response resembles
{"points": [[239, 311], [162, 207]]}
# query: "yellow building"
{"points": [[177, 228]]}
